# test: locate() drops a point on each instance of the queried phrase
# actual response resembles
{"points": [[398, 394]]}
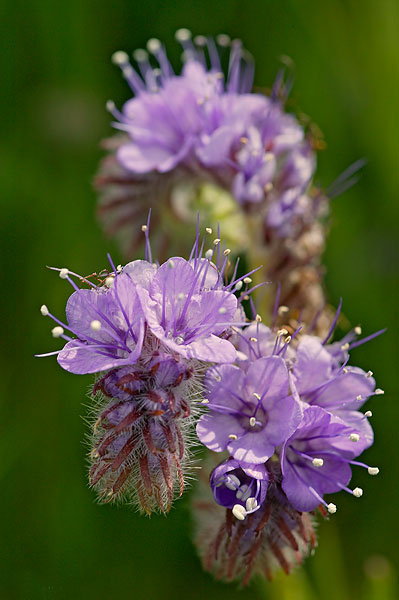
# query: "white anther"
{"points": [[223, 39], [258, 319], [209, 254], [247, 280], [368, 413], [268, 187], [268, 156], [238, 286], [222, 310], [257, 396], [345, 347], [359, 397], [140, 55], [200, 40], [232, 482], [344, 371], [288, 339], [358, 330], [208, 230], [110, 105], [331, 508], [153, 45], [217, 378], [369, 374], [171, 264], [357, 492], [282, 310], [179, 340], [57, 331], [239, 512], [244, 140], [354, 437], [226, 252], [44, 310], [232, 436], [252, 421], [243, 491], [216, 242], [183, 35], [253, 339], [317, 462], [180, 296], [251, 503], [144, 228], [95, 325], [109, 281], [64, 273], [120, 58], [379, 392], [205, 401], [373, 470], [281, 332], [119, 268]]}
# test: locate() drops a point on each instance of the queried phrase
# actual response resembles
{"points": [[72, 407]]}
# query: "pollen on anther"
{"points": [[238, 286], [183, 35], [379, 392], [247, 280], [57, 331], [359, 397], [239, 512], [144, 228], [110, 105], [253, 339], [222, 310], [205, 401], [95, 325], [180, 296], [368, 413], [64, 273], [109, 281], [282, 310], [373, 470], [258, 319], [216, 242], [257, 396], [252, 421], [369, 374], [250, 504], [44, 310], [209, 254], [331, 508], [233, 436], [317, 462], [357, 492], [226, 252], [358, 330], [208, 230], [354, 437], [120, 57], [345, 347]]}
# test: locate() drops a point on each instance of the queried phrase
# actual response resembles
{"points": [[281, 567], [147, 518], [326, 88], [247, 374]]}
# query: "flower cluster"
{"points": [[149, 331], [288, 415]]}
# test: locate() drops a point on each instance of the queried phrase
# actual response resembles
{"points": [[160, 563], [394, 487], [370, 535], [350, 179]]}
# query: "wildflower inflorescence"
{"points": [[203, 138], [288, 414], [148, 332]]}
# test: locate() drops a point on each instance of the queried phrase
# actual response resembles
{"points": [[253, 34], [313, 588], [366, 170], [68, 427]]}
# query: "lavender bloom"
{"points": [[316, 460], [250, 413], [239, 486]]}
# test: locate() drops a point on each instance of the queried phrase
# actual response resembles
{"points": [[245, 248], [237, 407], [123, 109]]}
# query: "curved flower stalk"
{"points": [[148, 332], [288, 415], [200, 140]]}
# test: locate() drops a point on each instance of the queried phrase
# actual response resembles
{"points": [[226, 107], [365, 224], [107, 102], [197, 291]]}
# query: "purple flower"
{"points": [[185, 317], [235, 483], [316, 460], [249, 413]]}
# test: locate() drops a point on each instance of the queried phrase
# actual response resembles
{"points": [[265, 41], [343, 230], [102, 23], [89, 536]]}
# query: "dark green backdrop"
{"points": [[55, 541]]}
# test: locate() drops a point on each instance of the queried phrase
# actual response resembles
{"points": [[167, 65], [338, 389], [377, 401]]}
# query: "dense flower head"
{"points": [[288, 414], [149, 331], [204, 125]]}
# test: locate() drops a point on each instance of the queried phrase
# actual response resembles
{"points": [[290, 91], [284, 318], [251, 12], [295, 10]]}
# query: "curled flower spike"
{"points": [[149, 332], [288, 415]]}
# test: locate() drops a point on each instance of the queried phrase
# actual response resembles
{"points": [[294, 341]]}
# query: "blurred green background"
{"points": [[56, 542]]}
